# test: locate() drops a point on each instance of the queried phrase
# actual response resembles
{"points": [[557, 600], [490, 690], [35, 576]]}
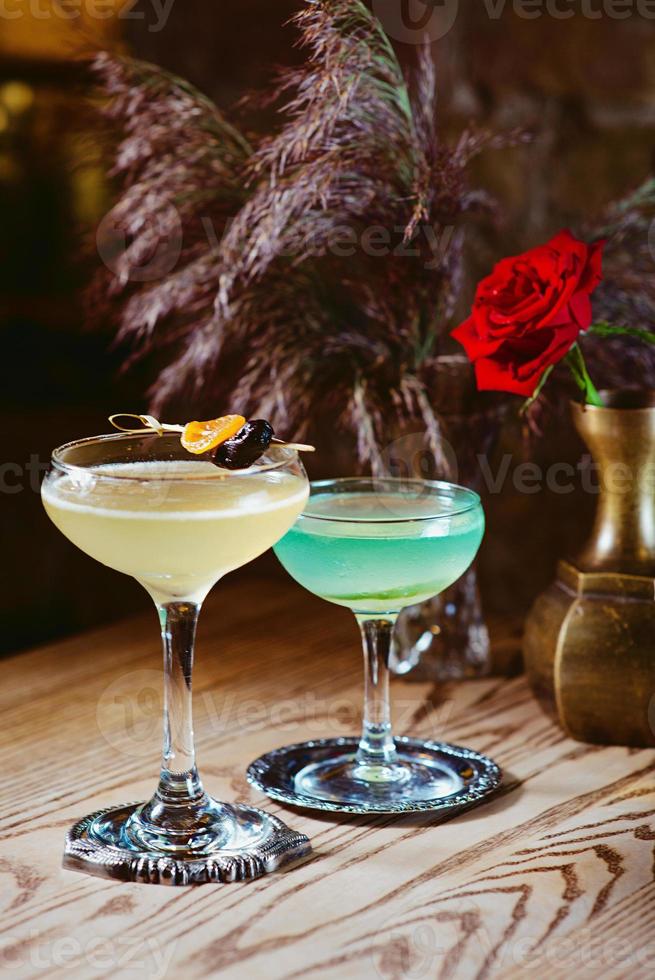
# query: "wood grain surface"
{"points": [[551, 878]]}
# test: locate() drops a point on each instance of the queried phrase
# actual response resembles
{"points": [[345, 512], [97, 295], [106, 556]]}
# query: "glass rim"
{"points": [[288, 456], [473, 501]]}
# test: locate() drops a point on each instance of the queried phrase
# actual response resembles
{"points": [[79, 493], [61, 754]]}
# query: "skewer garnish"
{"points": [[233, 442]]}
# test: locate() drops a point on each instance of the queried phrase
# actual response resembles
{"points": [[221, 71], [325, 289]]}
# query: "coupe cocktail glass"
{"points": [[144, 506], [375, 546]]}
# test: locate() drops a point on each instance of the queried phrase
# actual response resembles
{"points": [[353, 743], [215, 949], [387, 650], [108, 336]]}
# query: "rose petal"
{"points": [[559, 343], [580, 310], [467, 336], [475, 345], [593, 273], [495, 375]]}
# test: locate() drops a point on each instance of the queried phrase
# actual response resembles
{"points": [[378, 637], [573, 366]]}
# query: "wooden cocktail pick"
{"points": [[150, 424]]}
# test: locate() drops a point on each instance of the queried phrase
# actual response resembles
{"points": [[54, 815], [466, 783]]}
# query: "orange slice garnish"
{"points": [[200, 437]]}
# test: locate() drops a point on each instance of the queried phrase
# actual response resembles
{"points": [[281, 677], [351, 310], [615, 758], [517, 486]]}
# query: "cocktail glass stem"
{"points": [[377, 750], [180, 806], [179, 780]]}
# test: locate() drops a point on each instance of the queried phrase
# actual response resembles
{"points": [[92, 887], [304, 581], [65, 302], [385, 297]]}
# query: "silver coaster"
{"points": [[263, 843], [469, 776]]}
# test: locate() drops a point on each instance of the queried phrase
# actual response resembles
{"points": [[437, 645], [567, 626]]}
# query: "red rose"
{"points": [[529, 312]]}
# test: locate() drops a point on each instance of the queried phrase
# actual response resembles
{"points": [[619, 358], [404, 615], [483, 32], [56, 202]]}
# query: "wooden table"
{"points": [[553, 877]]}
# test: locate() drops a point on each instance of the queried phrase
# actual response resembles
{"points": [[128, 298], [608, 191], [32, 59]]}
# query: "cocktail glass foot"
{"points": [[329, 774], [236, 843]]}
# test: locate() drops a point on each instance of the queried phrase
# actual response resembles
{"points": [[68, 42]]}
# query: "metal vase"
{"points": [[590, 638]]}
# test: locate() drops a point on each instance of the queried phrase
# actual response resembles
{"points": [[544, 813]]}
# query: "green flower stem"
{"points": [[527, 404], [602, 329], [578, 368]]}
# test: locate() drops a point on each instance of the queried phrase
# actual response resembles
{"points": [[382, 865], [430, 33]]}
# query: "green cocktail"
{"points": [[377, 546], [378, 552]]}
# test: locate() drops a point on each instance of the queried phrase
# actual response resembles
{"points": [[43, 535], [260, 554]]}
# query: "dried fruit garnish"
{"points": [[243, 449], [200, 437]]}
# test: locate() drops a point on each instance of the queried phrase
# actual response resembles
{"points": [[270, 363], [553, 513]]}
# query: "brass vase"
{"points": [[590, 638]]}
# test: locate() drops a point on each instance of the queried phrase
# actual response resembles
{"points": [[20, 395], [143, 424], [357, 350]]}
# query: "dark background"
{"points": [[585, 86]]}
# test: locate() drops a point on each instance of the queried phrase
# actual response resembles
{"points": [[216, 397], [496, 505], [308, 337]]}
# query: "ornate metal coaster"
{"points": [[444, 778], [259, 843]]}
